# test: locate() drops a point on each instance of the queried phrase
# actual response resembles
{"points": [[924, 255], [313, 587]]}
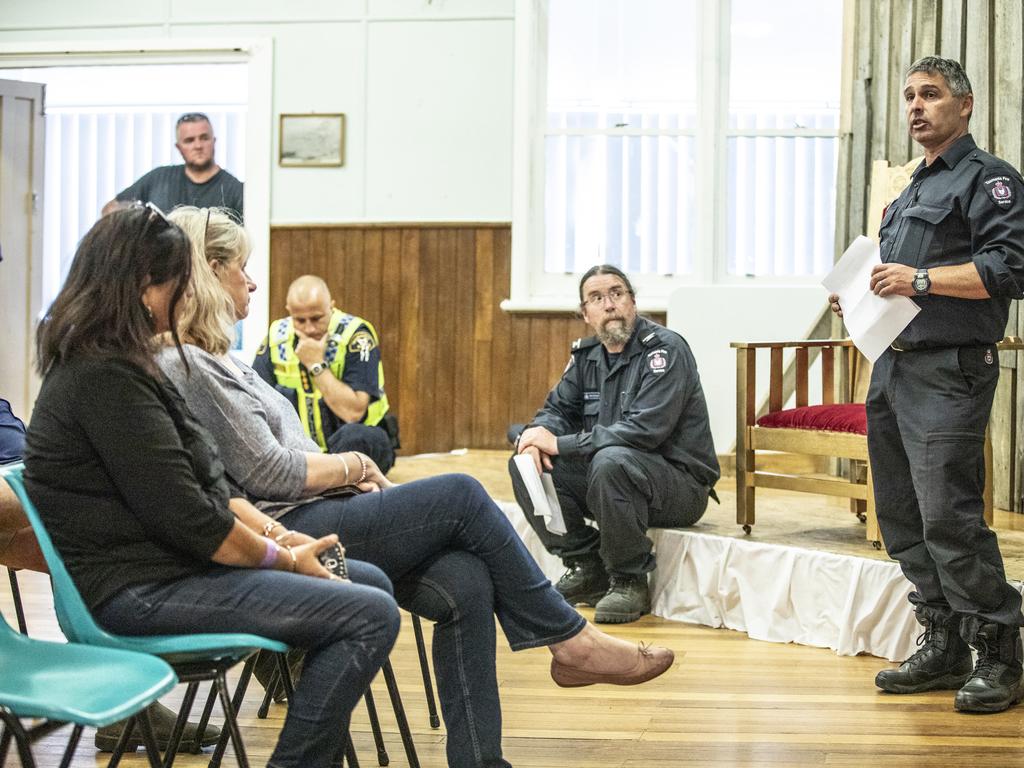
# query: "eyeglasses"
{"points": [[192, 117], [615, 294]]}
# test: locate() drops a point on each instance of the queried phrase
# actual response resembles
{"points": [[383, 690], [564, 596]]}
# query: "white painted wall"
{"points": [[711, 317], [426, 86]]}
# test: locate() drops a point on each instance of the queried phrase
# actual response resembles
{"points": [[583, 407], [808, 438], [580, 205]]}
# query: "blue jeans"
{"points": [[456, 560], [347, 631]]}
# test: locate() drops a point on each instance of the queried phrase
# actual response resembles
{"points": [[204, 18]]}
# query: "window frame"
{"points": [[533, 289]]}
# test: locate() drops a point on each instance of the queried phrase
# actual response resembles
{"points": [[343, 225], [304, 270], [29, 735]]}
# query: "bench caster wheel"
{"points": [[746, 529], [876, 544]]}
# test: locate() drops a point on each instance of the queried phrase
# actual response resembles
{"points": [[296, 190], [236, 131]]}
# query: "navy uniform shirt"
{"points": [[12, 434], [649, 398], [965, 207]]}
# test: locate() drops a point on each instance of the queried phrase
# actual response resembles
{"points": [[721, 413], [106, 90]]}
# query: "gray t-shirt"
{"points": [[258, 432], [168, 186]]}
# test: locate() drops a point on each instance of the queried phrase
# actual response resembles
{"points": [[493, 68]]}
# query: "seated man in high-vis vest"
{"points": [[328, 364]]}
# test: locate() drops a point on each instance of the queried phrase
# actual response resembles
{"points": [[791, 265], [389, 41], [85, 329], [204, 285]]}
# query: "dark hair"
{"points": [[99, 311], [951, 71], [606, 269], [191, 117]]}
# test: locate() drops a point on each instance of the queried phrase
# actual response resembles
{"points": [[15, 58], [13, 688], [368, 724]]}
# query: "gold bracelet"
{"points": [[295, 562], [280, 536], [271, 526], [341, 458]]}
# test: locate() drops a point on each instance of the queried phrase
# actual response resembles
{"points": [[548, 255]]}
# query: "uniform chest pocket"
{"points": [[921, 233], [591, 412]]}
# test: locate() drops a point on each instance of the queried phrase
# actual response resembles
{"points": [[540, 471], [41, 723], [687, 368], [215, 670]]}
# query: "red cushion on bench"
{"points": [[844, 417]]}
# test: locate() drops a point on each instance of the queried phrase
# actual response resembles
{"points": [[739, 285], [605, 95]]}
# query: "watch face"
{"points": [[920, 284]]}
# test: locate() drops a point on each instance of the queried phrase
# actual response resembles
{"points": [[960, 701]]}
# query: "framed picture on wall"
{"points": [[312, 141]]}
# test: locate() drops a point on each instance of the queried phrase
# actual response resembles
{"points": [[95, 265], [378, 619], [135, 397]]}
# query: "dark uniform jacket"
{"points": [[965, 207], [650, 399]]}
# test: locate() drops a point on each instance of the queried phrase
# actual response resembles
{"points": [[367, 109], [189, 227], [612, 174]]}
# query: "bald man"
{"points": [[327, 363]]}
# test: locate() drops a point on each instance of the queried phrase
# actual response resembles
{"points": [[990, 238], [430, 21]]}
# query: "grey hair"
{"points": [[950, 69]]}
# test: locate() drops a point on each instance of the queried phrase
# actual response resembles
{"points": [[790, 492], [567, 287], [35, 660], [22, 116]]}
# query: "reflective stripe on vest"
{"points": [[290, 374]]}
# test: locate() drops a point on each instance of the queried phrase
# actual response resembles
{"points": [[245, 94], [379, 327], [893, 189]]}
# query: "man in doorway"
{"points": [[199, 182], [953, 241], [627, 438], [328, 364]]}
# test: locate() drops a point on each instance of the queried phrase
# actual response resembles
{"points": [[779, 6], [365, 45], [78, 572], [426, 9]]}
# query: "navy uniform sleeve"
{"points": [[12, 434], [134, 435], [562, 412], [996, 214], [362, 363], [667, 374], [262, 363]]}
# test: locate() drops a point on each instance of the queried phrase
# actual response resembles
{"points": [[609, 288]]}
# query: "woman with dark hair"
{"points": [[135, 498], [453, 556]]}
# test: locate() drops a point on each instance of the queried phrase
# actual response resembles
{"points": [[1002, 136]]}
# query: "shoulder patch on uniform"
{"points": [[584, 343], [362, 342], [1000, 190], [657, 360], [262, 348]]}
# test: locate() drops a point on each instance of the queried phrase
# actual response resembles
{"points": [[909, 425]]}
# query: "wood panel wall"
{"points": [[986, 37], [458, 369]]}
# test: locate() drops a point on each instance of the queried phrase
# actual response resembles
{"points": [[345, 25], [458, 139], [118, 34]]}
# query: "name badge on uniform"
{"points": [[588, 396]]}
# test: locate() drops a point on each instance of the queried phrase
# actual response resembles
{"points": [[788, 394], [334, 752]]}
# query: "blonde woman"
{"points": [[452, 555]]}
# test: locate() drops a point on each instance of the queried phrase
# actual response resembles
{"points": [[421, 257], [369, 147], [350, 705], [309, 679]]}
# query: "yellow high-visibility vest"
{"points": [[287, 371]]}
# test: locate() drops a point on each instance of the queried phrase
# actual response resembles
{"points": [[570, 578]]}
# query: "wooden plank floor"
{"points": [[729, 701]]}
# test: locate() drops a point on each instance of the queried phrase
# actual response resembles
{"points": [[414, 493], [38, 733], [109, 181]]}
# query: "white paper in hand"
{"points": [[873, 322], [542, 494]]}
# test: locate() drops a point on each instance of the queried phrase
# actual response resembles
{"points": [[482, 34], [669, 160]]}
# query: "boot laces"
{"points": [[621, 583], [924, 642], [988, 659]]}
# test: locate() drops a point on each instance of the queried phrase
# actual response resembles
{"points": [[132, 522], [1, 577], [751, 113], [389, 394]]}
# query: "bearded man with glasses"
{"points": [[626, 437]]}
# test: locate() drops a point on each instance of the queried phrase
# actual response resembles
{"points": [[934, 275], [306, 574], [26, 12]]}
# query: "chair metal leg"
{"points": [[15, 729], [428, 686], [350, 752], [230, 721], [236, 703], [204, 720], [378, 737], [179, 724], [403, 722], [19, 609], [5, 744], [69, 751], [285, 675], [149, 738]]}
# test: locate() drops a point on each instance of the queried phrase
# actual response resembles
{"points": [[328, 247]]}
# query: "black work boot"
{"points": [[627, 600], [162, 720], [995, 684], [585, 581], [943, 661]]}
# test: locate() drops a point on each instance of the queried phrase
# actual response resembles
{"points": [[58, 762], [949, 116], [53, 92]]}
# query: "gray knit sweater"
{"points": [[260, 437]]}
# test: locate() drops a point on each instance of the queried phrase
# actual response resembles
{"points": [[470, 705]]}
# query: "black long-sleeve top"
{"points": [[128, 484], [965, 207]]}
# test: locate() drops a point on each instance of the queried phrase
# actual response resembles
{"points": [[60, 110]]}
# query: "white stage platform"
{"points": [[772, 592]]}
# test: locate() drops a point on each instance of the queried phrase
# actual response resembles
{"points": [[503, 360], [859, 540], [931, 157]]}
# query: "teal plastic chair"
{"points": [[194, 658], [72, 683]]}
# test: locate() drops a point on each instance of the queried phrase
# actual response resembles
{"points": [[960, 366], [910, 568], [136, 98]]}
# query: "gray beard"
{"points": [[616, 335]]}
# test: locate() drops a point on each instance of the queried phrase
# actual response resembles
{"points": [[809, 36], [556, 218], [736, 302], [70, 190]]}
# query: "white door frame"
{"points": [[258, 54]]}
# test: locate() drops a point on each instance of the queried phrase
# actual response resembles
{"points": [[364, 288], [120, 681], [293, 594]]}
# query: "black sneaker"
{"points": [[995, 684], [943, 661], [627, 600], [585, 581], [162, 720]]}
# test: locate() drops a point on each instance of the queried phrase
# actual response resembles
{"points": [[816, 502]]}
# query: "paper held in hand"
{"points": [[873, 322], [542, 494]]}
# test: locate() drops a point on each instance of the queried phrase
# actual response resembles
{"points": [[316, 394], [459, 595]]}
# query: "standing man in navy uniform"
{"points": [[954, 242], [627, 437]]}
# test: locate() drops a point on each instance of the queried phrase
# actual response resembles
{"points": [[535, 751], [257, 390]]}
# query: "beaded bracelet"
{"points": [[271, 526], [363, 464]]}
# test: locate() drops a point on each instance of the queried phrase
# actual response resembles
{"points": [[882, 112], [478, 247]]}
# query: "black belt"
{"points": [[897, 347]]}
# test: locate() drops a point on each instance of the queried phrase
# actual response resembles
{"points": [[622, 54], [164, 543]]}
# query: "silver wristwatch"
{"points": [[921, 282], [317, 368]]}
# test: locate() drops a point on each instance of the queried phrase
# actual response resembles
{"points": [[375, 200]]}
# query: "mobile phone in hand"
{"points": [[333, 559]]}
